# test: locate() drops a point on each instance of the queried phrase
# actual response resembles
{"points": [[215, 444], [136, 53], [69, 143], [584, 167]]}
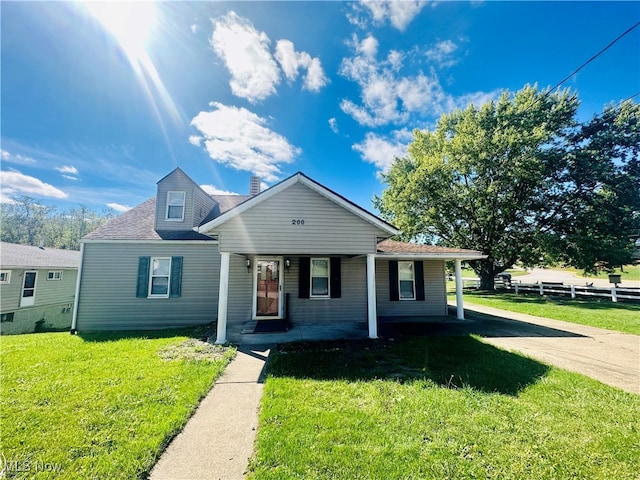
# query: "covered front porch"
{"points": [[352, 301]]}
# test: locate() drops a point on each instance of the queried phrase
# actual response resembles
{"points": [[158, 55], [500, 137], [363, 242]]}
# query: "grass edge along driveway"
{"points": [[601, 313], [438, 407], [99, 405]]}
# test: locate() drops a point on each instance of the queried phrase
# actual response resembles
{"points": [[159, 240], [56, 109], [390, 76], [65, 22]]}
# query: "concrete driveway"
{"points": [[606, 355]]}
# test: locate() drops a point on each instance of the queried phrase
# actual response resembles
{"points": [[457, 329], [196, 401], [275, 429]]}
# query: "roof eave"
{"points": [[432, 255]]}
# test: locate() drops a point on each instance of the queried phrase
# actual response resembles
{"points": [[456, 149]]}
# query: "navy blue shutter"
{"points": [[143, 277], [394, 293], [304, 277], [419, 273], [175, 289], [335, 278]]}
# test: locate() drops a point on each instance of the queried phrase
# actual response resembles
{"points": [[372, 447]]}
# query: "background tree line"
{"points": [[28, 221], [522, 180]]}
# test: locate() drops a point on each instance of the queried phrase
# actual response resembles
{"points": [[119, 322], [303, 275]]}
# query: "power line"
{"points": [[594, 57]]}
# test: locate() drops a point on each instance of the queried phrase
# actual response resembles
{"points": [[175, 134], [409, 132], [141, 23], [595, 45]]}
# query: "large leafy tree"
{"points": [[499, 179]]}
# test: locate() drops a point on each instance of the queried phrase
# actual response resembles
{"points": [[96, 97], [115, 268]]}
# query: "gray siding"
{"points": [[351, 307], [107, 299], [39, 319], [328, 228], [197, 203], [435, 302], [48, 292]]}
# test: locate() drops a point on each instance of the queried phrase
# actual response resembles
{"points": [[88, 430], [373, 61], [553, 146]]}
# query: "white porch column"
{"points": [[371, 296], [459, 301], [221, 337]]}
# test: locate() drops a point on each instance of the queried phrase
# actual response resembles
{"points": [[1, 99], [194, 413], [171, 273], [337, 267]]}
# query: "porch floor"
{"points": [[239, 334]]}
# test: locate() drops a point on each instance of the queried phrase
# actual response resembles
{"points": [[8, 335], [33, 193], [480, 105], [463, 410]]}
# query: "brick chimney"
{"points": [[254, 185]]}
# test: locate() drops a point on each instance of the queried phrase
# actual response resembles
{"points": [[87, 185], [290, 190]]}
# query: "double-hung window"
{"points": [[159, 275], [319, 278], [5, 276], [406, 281], [175, 206]]}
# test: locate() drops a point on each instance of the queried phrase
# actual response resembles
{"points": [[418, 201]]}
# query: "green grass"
{"points": [[101, 405], [438, 407], [623, 317]]}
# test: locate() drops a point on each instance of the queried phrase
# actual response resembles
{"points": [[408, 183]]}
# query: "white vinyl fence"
{"points": [[552, 288]]}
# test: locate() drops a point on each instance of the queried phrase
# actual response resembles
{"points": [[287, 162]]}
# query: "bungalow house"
{"points": [[297, 252], [37, 288]]}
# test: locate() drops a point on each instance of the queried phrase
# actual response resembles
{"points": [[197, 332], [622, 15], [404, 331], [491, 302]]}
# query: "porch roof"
{"points": [[394, 249]]}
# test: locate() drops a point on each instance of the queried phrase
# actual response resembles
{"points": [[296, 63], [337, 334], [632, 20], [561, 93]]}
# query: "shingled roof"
{"points": [[393, 247], [26, 256], [138, 223]]}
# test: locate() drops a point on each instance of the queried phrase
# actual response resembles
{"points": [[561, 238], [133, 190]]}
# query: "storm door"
{"points": [[28, 289], [267, 302]]}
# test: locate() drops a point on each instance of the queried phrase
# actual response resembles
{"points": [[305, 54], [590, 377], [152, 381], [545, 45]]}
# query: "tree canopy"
{"points": [[520, 179], [28, 221]]}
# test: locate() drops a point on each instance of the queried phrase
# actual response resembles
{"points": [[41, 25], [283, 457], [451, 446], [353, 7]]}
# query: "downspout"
{"points": [[74, 318]]}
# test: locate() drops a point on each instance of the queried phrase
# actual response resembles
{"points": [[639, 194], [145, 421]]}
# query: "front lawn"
{"points": [[99, 405], [623, 317], [438, 407]]}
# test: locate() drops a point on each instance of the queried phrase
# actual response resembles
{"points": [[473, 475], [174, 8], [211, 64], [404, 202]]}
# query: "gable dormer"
{"points": [[180, 203]]}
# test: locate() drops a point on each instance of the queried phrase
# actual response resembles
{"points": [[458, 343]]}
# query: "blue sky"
{"points": [[100, 101]]}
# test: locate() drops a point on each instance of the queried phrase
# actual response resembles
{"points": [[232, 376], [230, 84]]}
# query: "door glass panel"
{"points": [[268, 288]]}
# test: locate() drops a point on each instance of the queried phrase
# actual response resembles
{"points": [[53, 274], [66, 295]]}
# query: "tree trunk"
{"points": [[486, 273]]}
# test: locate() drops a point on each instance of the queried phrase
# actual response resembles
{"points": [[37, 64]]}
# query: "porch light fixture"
{"points": [[248, 264], [287, 263]]}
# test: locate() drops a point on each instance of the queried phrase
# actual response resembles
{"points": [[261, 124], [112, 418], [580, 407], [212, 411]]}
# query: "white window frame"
{"points": [[152, 276], [413, 281], [7, 277], [311, 276], [184, 201], [54, 275]]}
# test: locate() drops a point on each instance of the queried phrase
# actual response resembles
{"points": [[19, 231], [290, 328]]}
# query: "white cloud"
{"points": [[16, 183], [239, 138], [245, 52], [399, 13], [383, 151], [291, 62], [68, 169], [194, 28], [119, 208], [212, 190], [69, 177], [386, 95], [333, 125], [19, 159], [441, 53], [255, 71], [195, 140]]}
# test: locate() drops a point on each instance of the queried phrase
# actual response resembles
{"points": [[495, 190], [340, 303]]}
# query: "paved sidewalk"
{"points": [[217, 441], [606, 355]]}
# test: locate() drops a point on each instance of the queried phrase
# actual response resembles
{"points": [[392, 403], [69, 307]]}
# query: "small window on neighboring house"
{"points": [[54, 275], [319, 277], [6, 317], [406, 279], [159, 275], [175, 206], [5, 276]]}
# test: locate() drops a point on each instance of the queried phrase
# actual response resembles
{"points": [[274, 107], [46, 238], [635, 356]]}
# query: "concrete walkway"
{"points": [[606, 355], [217, 441]]}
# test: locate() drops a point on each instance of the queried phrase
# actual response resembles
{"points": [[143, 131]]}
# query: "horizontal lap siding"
{"points": [[240, 300], [435, 302], [351, 307], [48, 292], [108, 290], [267, 227]]}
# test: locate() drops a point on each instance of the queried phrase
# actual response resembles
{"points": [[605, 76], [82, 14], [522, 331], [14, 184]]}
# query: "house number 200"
{"points": [[297, 221]]}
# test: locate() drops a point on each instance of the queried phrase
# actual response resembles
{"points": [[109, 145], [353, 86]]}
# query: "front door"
{"points": [[28, 289], [267, 301]]}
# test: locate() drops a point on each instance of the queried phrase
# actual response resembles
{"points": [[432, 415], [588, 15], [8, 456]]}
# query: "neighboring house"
{"points": [[296, 251], [37, 288]]}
